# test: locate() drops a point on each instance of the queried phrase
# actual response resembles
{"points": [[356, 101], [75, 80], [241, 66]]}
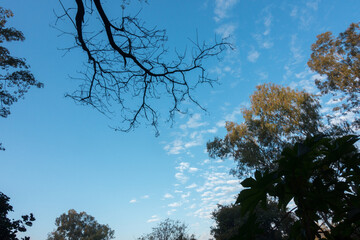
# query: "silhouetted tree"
{"points": [[127, 64], [9, 228], [273, 223], [338, 60], [80, 226], [322, 177], [168, 230], [15, 78], [278, 116]]}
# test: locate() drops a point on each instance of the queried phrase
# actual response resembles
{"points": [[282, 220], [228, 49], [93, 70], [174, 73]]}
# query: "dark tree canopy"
{"points": [[168, 230], [322, 177], [9, 228], [80, 226], [273, 223], [15, 77], [128, 67], [277, 116], [338, 59]]}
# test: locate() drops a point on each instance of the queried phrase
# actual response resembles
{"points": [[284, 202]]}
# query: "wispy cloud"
{"points": [[145, 197], [183, 166], [153, 218], [171, 211], [133, 201], [296, 50], [222, 7], [175, 204], [313, 4], [168, 195], [305, 13], [263, 38], [219, 188], [194, 122], [194, 185], [181, 177], [175, 147], [253, 55], [226, 30]]}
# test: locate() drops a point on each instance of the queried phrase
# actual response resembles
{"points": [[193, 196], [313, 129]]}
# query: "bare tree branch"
{"points": [[126, 65]]}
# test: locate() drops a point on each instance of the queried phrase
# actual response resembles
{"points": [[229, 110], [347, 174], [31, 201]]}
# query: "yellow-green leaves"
{"points": [[338, 59], [276, 117]]}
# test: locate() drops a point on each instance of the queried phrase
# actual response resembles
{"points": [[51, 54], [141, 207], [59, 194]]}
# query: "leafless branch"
{"points": [[127, 66]]}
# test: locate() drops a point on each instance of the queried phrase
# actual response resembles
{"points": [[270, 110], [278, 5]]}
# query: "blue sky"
{"points": [[60, 155]]}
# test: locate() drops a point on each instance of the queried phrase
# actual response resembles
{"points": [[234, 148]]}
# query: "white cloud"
{"points": [[186, 195], [171, 211], [145, 196], [183, 166], [181, 177], [192, 206], [226, 30], [193, 169], [192, 186], [263, 75], [235, 181], [221, 123], [206, 161], [194, 122], [219, 187], [168, 195], [313, 4], [267, 44], [153, 218], [175, 147], [175, 204], [222, 7], [267, 21], [253, 55], [133, 201], [192, 144], [294, 12], [295, 50], [212, 130]]}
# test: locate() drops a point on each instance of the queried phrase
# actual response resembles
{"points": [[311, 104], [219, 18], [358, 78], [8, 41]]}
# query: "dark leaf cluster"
{"points": [[15, 77], [321, 176], [9, 228]]}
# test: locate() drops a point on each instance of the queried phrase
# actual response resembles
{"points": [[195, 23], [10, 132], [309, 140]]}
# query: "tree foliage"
{"points": [[15, 77], [273, 223], [322, 177], [277, 116], [80, 226], [168, 230], [10, 228], [128, 64], [338, 59]]}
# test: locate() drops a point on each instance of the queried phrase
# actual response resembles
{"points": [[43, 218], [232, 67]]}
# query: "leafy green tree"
{"points": [[15, 77], [168, 230], [338, 59], [278, 116], [9, 228], [80, 226], [322, 177], [273, 224]]}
